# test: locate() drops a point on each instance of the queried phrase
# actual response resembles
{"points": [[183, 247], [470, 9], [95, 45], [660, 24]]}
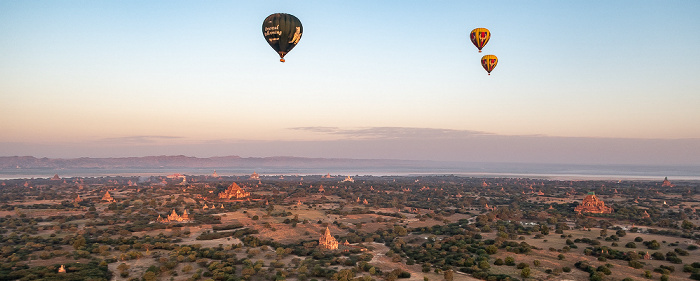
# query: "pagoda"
{"points": [[667, 183], [56, 178], [591, 204], [233, 191], [107, 197], [327, 241], [254, 176], [62, 269], [174, 217]]}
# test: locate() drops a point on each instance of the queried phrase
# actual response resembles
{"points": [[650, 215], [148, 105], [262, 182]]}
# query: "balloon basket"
{"points": [[281, 60]]}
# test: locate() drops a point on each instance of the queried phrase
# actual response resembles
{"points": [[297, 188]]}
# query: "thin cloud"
{"points": [[393, 132], [139, 139]]}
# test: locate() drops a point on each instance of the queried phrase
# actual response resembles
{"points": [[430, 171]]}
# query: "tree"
{"points": [[123, 267], [525, 272], [449, 275], [149, 276], [653, 245], [491, 249], [79, 242], [687, 225]]}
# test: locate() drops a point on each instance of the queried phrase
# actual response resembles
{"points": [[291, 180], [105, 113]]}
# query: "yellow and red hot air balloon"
{"points": [[480, 36], [489, 62]]}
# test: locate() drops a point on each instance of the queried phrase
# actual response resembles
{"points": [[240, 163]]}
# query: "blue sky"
{"points": [[130, 78]]}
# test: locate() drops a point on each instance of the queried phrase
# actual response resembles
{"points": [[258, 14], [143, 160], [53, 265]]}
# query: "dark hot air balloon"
{"points": [[489, 62], [282, 32], [480, 36]]}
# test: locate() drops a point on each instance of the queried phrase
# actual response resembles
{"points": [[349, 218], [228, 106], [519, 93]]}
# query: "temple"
{"points": [[254, 176], [327, 241], [667, 183], [107, 197], [174, 217], [591, 204], [62, 269], [233, 191]]}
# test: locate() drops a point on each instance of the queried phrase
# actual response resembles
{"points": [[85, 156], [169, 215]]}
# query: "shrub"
{"points": [[635, 264], [525, 273]]}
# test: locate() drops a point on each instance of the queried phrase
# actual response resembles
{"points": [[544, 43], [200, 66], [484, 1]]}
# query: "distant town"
{"points": [[347, 227]]}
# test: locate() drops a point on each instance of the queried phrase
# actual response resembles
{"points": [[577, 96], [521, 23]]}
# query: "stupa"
{"points": [[591, 204], [107, 197]]}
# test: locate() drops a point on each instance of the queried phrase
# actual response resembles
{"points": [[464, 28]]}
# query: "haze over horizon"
{"points": [[593, 82]]}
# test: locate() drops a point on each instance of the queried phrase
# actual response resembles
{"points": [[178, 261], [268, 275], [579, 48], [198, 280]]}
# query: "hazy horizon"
{"points": [[409, 144]]}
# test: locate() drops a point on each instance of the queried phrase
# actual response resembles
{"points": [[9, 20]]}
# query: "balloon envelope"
{"points": [[282, 32], [480, 36], [489, 62]]}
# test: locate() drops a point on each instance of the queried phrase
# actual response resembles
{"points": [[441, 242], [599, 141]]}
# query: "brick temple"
{"points": [[591, 204]]}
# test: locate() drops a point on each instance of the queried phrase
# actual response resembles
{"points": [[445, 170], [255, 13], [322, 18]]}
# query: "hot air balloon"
{"points": [[480, 36], [489, 62], [282, 32]]}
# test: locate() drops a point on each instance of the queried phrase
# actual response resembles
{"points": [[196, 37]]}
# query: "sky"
{"points": [[591, 82]]}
